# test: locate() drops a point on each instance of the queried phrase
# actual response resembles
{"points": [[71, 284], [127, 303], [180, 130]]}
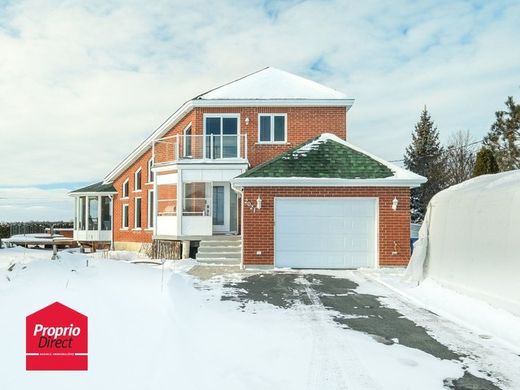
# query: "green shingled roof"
{"points": [[322, 157], [96, 187]]}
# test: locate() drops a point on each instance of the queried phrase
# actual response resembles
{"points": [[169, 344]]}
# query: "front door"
{"points": [[220, 207]]}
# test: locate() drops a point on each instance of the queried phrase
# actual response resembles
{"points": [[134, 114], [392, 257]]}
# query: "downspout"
{"points": [[241, 223]]}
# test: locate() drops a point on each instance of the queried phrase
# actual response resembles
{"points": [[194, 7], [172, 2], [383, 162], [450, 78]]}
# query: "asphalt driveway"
{"points": [[350, 309]]}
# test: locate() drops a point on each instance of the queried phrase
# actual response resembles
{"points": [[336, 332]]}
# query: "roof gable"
{"points": [[328, 159], [272, 83], [267, 87]]}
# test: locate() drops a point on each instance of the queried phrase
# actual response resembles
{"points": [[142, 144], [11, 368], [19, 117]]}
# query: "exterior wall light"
{"points": [[247, 121], [395, 202], [258, 202]]}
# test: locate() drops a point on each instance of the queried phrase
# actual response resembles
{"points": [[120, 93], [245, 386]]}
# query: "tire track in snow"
{"points": [[325, 369]]}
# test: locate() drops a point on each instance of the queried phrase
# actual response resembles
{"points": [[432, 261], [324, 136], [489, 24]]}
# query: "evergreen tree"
{"points": [[504, 137], [486, 163], [425, 156]]}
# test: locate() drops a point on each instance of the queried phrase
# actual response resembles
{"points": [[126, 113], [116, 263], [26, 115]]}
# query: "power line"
{"points": [[450, 148]]}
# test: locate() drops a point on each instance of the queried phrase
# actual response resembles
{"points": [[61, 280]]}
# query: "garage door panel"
{"points": [[321, 224], [325, 233]]}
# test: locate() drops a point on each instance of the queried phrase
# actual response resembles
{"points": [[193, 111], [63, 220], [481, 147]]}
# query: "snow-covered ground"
{"points": [[159, 327]]}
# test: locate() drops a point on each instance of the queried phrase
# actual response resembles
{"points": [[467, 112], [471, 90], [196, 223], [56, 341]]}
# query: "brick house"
{"points": [[256, 171]]}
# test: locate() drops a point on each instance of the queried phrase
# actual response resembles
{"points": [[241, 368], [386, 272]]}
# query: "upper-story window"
{"points": [[272, 128], [137, 180], [221, 135], [150, 172], [126, 189], [187, 141]]}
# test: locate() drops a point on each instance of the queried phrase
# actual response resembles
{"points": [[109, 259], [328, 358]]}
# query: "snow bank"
{"points": [[469, 240]]}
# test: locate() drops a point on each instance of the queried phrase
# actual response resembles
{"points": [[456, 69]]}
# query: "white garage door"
{"points": [[325, 232]]}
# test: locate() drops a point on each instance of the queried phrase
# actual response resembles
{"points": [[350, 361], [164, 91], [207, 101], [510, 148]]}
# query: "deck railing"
{"points": [[200, 147]]}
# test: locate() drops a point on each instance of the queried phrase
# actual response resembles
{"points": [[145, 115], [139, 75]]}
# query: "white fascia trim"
{"points": [[315, 182], [273, 102], [92, 193], [158, 133], [201, 165]]}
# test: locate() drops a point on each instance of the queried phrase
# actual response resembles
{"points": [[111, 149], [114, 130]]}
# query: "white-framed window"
{"points": [[196, 199], [150, 209], [124, 217], [272, 128], [221, 136], [137, 213], [187, 141], [138, 180], [150, 172], [126, 189]]}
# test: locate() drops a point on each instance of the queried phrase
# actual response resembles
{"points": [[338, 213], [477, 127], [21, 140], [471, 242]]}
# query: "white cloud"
{"points": [[82, 83]]}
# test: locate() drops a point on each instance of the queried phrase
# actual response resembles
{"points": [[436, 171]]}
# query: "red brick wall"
{"points": [[303, 123], [131, 234], [258, 230]]}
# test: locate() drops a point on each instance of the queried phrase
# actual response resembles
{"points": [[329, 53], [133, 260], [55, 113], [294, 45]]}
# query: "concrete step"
{"points": [[210, 244], [220, 255], [223, 238], [220, 249], [219, 261]]}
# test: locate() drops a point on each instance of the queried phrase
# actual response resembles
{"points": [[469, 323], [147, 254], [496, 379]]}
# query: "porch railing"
{"points": [[200, 147]]}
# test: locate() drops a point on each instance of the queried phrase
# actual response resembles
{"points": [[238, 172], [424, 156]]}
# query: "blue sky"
{"points": [[82, 83]]}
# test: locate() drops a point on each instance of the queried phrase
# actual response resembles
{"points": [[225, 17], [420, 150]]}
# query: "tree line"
{"points": [[462, 158], [8, 229]]}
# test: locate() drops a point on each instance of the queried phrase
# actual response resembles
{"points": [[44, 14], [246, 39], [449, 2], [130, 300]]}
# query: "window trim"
{"points": [[150, 218], [189, 127], [123, 206], [272, 115], [140, 214], [140, 170], [235, 115], [150, 173], [123, 196]]}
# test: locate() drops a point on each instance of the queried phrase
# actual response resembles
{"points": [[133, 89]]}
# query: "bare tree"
{"points": [[459, 157]]}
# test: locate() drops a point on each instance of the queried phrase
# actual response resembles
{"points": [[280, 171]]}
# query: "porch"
{"points": [[194, 210], [93, 211]]}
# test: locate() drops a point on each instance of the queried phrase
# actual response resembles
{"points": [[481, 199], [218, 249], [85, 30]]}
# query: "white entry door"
{"points": [[220, 207], [325, 232]]}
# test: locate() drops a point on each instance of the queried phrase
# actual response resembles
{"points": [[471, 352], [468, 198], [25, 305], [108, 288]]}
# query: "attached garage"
{"points": [[326, 204], [325, 232]]}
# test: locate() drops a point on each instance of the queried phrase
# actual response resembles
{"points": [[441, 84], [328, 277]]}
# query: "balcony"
{"points": [[200, 148]]}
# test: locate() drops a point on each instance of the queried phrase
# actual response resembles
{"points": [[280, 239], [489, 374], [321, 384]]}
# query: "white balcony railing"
{"points": [[200, 147]]}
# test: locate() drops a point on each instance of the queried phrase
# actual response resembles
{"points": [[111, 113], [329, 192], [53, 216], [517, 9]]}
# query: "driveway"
{"points": [[339, 301]]}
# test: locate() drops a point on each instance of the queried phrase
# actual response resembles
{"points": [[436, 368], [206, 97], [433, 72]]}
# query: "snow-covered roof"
{"points": [[267, 87], [328, 160], [272, 83]]}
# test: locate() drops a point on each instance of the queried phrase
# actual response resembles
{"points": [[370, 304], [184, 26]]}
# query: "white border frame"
{"points": [[123, 196], [150, 172], [123, 227], [272, 115], [140, 169], [184, 155], [150, 218], [135, 213], [376, 221], [222, 116]]}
